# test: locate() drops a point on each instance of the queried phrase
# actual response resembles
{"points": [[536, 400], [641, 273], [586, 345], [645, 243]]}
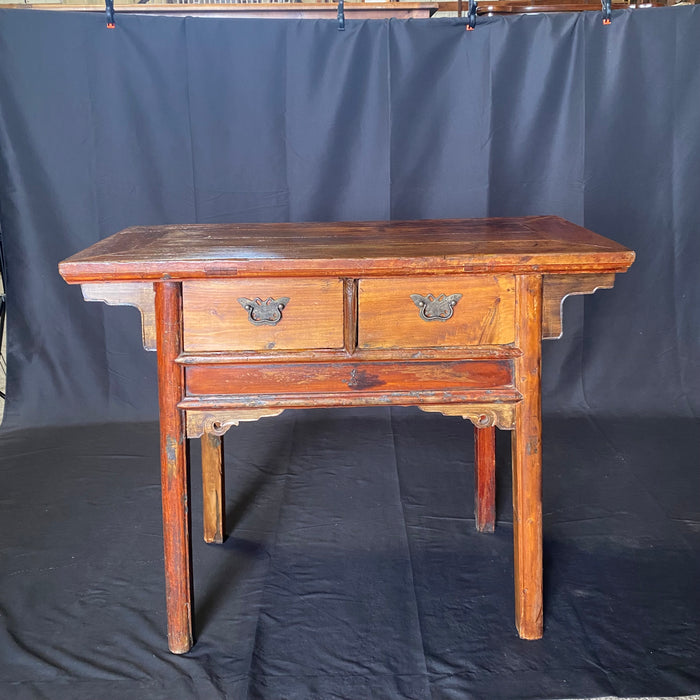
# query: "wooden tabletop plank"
{"points": [[547, 243]]}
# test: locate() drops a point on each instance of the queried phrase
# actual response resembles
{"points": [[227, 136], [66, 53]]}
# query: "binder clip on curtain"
{"points": [[341, 16], [109, 6], [471, 15], [607, 11]]}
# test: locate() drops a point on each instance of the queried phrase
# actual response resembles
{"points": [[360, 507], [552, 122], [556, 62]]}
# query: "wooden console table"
{"points": [[252, 319]]}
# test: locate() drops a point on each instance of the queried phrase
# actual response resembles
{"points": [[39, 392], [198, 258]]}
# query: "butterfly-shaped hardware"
{"points": [[436, 308], [264, 313]]}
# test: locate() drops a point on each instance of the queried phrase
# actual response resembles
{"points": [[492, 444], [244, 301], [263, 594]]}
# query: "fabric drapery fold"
{"points": [[352, 568], [177, 120]]}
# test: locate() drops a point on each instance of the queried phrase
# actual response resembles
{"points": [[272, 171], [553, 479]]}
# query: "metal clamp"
{"points": [[341, 15], [109, 8], [264, 313], [436, 308], [471, 15]]}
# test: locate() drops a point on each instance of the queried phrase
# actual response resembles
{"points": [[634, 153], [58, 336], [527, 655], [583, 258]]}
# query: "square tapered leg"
{"points": [[174, 468], [526, 442], [213, 487], [485, 478]]}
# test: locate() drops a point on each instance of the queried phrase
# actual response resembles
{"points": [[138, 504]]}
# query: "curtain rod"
{"points": [[339, 9]]}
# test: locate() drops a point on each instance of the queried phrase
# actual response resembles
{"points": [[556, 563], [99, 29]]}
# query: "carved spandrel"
{"points": [[485, 415], [138, 294], [556, 288], [219, 421]]}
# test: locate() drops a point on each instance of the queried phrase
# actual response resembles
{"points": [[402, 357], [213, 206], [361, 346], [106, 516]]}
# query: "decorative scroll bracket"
{"points": [[555, 288], [138, 294], [436, 308], [264, 313], [483, 415], [217, 422]]}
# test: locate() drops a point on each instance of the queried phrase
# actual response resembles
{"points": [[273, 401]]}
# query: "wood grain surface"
{"points": [[138, 294], [389, 318], [347, 249], [309, 378], [556, 288], [485, 479], [213, 498], [526, 444], [215, 320], [174, 469], [350, 335]]}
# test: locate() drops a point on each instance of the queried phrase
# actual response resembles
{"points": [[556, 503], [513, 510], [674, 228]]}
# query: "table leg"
{"points": [[527, 461], [174, 468], [213, 487], [485, 478]]}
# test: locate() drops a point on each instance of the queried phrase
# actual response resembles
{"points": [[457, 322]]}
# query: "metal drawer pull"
{"points": [[264, 313], [436, 309]]}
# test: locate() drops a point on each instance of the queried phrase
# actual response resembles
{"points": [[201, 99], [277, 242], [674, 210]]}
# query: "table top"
{"points": [[546, 244]]}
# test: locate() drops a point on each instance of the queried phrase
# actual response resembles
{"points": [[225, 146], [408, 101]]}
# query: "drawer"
{"points": [[244, 314], [439, 311], [273, 380]]}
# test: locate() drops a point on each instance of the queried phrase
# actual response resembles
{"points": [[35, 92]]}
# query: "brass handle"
{"points": [[436, 308], [264, 313]]}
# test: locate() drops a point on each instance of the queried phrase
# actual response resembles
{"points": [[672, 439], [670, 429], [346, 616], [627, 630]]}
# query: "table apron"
{"points": [[309, 378]]}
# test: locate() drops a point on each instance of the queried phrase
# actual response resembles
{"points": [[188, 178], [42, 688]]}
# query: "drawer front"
{"points": [[259, 380], [440, 311], [262, 314]]}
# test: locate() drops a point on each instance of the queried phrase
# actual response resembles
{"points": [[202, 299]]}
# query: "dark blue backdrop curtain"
{"points": [[352, 567], [173, 120]]}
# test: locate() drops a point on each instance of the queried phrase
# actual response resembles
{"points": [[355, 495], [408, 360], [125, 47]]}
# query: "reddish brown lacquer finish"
{"points": [[271, 379], [526, 444], [485, 479], [173, 459], [213, 501], [355, 249], [253, 319]]}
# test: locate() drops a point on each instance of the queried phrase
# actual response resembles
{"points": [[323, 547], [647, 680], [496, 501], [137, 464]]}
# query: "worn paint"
{"points": [[170, 448], [368, 260], [361, 379]]}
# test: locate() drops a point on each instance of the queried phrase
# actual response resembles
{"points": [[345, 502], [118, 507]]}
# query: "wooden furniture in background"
{"points": [[252, 319], [522, 7], [328, 10], [267, 10]]}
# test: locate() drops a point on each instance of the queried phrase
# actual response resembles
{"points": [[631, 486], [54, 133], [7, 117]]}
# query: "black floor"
{"points": [[353, 568]]}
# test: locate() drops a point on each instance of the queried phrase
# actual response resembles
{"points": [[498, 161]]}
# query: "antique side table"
{"points": [[252, 319]]}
